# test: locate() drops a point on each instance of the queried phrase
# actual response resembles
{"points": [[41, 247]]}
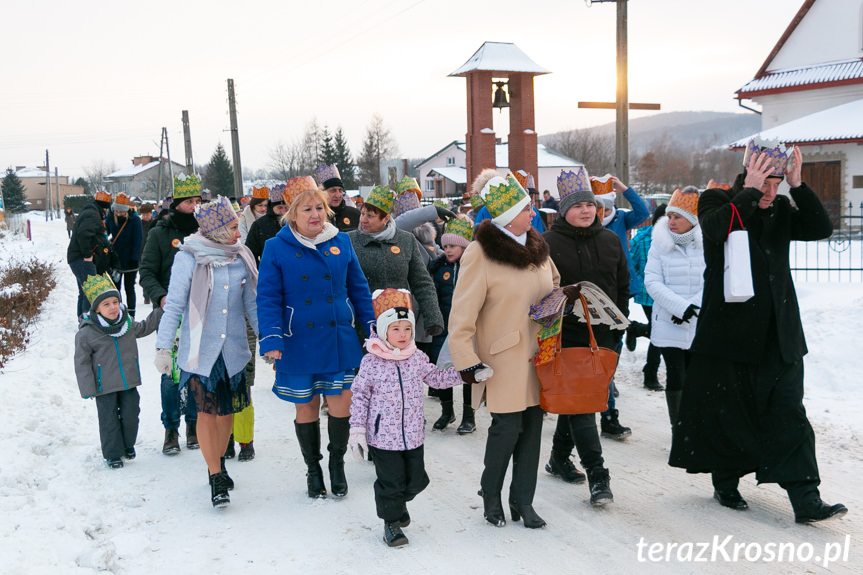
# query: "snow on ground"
{"points": [[63, 511]]}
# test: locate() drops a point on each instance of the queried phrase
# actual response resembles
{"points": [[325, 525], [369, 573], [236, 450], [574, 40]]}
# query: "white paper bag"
{"points": [[738, 269], [444, 359]]}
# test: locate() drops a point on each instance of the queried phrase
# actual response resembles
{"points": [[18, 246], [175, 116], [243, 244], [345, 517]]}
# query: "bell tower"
{"points": [[492, 64]]}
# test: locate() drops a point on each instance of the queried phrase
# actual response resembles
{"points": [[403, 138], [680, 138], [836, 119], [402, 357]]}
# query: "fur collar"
{"points": [[503, 249], [663, 241]]}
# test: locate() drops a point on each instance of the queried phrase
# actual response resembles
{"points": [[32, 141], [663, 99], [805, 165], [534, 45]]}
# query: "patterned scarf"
{"points": [[119, 326], [683, 239]]}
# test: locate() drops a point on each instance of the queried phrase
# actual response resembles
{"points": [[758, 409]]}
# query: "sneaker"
{"points": [[564, 468], [611, 426], [114, 463], [247, 451], [192, 435], [393, 534], [172, 442], [129, 453], [405, 519]]}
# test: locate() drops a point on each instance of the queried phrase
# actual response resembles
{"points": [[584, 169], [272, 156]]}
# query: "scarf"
{"points": [[384, 350], [119, 326], [329, 232], [522, 239], [683, 239], [209, 254], [612, 211], [384, 235]]}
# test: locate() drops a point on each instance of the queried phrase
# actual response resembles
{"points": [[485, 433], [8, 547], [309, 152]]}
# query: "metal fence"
{"points": [[836, 259], [17, 223]]}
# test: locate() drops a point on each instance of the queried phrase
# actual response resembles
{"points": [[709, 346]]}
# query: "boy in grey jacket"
{"points": [[107, 366]]}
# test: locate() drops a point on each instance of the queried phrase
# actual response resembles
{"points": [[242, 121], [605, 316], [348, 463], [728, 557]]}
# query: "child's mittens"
{"points": [[164, 362], [357, 441], [483, 373]]}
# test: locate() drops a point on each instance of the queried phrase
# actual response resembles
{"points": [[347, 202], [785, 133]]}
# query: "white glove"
{"points": [[483, 373], [357, 441], [163, 361]]}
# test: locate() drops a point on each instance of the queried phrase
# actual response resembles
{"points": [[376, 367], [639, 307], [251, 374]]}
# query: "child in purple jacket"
{"points": [[387, 410]]}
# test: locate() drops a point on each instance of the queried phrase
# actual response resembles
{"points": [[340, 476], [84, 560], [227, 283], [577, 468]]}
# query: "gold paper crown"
{"points": [[407, 184], [102, 196], [460, 227], [777, 153], [327, 173], [94, 286], [296, 186], [390, 298], [263, 192], [504, 197], [214, 215], [187, 187], [122, 199], [602, 186], [382, 198]]}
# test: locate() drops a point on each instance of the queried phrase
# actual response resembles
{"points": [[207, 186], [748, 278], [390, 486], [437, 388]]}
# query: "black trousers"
{"points": [[578, 431], [653, 354], [118, 421], [128, 280], [446, 394], [401, 477], [515, 436], [676, 364]]}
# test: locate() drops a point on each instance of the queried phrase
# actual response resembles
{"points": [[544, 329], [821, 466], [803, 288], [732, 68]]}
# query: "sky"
{"points": [[96, 81]]}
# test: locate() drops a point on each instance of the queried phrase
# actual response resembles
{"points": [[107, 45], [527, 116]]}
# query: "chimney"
{"points": [[142, 160]]}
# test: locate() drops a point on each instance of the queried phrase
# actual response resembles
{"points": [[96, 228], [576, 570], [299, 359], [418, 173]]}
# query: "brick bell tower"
{"points": [[502, 62]]}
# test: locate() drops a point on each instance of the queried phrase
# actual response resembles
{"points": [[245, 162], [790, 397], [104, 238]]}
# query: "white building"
{"points": [[810, 89], [444, 174]]}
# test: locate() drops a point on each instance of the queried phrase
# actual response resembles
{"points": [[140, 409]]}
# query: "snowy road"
{"points": [[64, 512]]}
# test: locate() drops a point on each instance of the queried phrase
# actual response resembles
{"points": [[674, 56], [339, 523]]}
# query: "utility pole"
{"points": [[235, 141], [58, 207], [47, 187], [170, 164], [161, 151], [187, 138]]}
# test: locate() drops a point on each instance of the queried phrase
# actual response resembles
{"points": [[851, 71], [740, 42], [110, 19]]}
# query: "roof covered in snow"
{"points": [[808, 77], [500, 57], [132, 171], [840, 124], [33, 173], [456, 175], [545, 158]]}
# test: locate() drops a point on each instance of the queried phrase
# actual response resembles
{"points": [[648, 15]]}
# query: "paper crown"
{"points": [[458, 231], [263, 192], [407, 184], [525, 179], [382, 198], [406, 200], [777, 153], [206, 195], [236, 206], [684, 201], [328, 176], [214, 215], [476, 202], [94, 286], [441, 203], [187, 187], [570, 182], [122, 199], [383, 300], [296, 186], [275, 194], [602, 185], [102, 196], [502, 198]]}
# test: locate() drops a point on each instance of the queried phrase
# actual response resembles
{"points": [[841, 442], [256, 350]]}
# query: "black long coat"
{"points": [[742, 404]]}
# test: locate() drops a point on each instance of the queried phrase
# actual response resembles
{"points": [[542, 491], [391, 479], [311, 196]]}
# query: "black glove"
{"points": [[444, 213], [572, 292], [691, 312], [468, 376], [434, 330]]}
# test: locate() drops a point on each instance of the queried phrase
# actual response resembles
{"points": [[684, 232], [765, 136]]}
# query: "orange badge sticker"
{"points": [[446, 276], [176, 242], [335, 251], [395, 250], [347, 221], [431, 248]]}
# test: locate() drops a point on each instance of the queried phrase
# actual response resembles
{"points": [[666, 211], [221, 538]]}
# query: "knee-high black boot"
{"points": [[309, 437], [672, 399], [339, 429]]}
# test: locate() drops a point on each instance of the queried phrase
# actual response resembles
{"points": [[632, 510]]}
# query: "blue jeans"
{"points": [[171, 405], [82, 269]]}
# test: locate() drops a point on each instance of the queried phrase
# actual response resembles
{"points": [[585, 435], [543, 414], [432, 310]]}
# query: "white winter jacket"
{"points": [[674, 278]]}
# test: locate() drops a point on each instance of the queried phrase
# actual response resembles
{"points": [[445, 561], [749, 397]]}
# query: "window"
{"points": [[123, 187], [143, 186], [450, 161], [429, 185], [857, 181]]}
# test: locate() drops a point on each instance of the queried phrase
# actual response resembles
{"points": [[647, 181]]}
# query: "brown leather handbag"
{"points": [[576, 380]]}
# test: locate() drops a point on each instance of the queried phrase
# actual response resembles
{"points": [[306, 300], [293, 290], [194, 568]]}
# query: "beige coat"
{"points": [[489, 321]]}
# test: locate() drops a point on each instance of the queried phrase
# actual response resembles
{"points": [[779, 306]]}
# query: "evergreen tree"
{"points": [[327, 148], [379, 145], [84, 184], [13, 193], [344, 161], [219, 176]]}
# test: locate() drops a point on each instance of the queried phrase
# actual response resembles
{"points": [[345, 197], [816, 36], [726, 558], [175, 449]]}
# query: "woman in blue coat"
{"points": [[311, 294]]}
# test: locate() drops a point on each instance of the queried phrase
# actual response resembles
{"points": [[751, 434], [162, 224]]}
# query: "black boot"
{"points": [[600, 486], [651, 380], [338, 428], [228, 481], [309, 438], [231, 450], [672, 399], [561, 466], [492, 508], [730, 498], [247, 451], [172, 442], [611, 426], [468, 423], [808, 507], [393, 535], [192, 435], [447, 416], [219, 490], [531, 519]]}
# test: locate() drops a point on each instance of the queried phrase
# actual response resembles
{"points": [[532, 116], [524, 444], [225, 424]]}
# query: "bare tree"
{"points": [[96, 172], [594, 150], [378, 145]]}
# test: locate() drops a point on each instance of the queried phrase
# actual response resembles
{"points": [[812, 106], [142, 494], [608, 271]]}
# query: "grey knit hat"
{"points": [[573, 187]]}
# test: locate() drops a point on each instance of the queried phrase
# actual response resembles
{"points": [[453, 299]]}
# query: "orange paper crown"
{"points": [[390, 298], [295, 186], [103, 196], [263, 192], [602, 185], [685, 201]]}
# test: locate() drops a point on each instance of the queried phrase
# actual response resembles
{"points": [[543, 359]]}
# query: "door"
{"points": [[824, 178]]}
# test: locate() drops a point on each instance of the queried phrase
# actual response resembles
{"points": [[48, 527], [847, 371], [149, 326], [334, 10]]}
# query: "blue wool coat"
{"points": [[625, 220], [224, 327], [309, 301], [483, 214]]}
